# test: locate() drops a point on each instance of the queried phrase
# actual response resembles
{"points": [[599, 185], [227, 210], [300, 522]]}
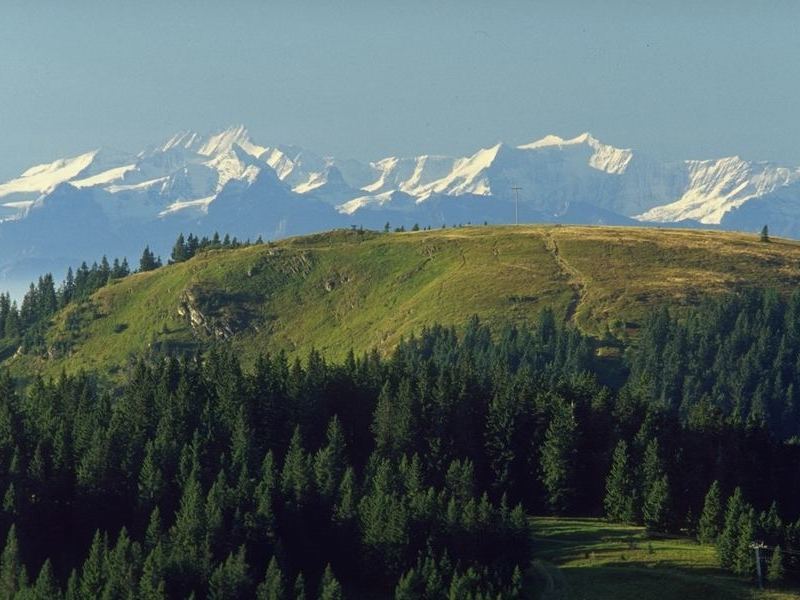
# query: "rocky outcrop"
{"points": [[219, 323]]}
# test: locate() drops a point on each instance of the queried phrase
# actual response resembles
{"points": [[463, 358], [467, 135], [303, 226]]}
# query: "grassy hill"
{"points": [[593, 559], [349, 289]]}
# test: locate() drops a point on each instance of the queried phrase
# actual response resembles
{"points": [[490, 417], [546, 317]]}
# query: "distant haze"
{"points": [[368, 79]]}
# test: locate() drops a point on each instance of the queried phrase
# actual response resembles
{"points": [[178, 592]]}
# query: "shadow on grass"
{"points": [[639, 583]]}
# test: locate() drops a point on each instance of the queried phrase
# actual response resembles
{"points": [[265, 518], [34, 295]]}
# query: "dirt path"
{"points": [[573, 276]]}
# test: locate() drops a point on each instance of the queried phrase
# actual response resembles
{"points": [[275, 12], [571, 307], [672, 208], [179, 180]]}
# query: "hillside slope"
{"points": [[363, 290], [592, 558]]}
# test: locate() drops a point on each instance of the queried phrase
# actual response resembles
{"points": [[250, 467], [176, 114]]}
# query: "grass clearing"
{"points": [[590, 559]]}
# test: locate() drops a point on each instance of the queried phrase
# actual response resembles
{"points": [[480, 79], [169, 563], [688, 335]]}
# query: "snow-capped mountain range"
{"points": [[105, 201]]}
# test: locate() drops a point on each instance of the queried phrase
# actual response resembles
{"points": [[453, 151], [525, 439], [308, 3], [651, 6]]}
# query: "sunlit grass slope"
{"points": [[589, 559], [346, 289]]}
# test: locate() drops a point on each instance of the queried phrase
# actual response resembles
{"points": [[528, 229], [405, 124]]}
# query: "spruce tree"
{"points": [[189, 549], [148, 261], [296, 475], [558, 457], [230, 579], [152, 585], [272, 588], [410, 586], [46, 586], [775, 570], [122, 565], [11, 567], [619, 499], [656, 506], [299, 587], [711, 518], [179, 250], [93, 573], [345, 508], [153, 533], [729, 536], [744, 557], [73, 589], [330, 461], [329, 587]]}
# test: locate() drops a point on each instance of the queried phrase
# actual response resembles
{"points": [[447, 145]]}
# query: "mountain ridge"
{"points": [[179, 184]]}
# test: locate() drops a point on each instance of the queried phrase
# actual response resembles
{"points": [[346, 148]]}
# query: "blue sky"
{"points": [[369, 79]]}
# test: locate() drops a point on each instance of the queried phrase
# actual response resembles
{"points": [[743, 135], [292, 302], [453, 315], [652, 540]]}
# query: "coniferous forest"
{"points": [[410, 475]]}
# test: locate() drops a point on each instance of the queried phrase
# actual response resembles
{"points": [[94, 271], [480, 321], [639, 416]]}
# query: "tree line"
{"points": [[24, 325], [402, 476]]}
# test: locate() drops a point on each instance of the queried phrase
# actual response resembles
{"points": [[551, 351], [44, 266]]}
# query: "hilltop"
{"points": [[356, 290]]}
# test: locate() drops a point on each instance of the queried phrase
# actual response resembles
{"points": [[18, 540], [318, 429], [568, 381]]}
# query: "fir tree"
{"points": [[330, 589], [188, 533], [775, 570], [72, 591], [729, 536], [93, 573], [122, 566], [151, 584], [153, 533], [558, 457], [656, 506], [299, 587], [410, 586], [148, 261], [654, 489], [230, 580], [330, 463], [711, 518], [272, 588], [179, 250], [296, 476], [11, 567], [744, 558], [46, 586], [619, 499]]}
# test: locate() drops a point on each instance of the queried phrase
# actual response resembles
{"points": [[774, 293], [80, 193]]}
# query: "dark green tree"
{"points": [[180, 252], [299, 587], [12, 571], [230, 580], [729, 536], [296, 476], [744, 557], [46, 586], [93, 574], [273, 587], [655, 492], [148, 260], [329, 587], [559, 456], [775, 571], [619, 499], [711, 518]]}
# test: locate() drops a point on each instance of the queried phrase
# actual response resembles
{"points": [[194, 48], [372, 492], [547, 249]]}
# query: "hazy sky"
{"points": [[368, 79]]}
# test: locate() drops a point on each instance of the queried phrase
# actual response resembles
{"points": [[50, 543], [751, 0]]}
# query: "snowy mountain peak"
{"points": [[554, 140], [603, 158], [191, 181], [225, 140], [40, 178], [188, 140]]}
